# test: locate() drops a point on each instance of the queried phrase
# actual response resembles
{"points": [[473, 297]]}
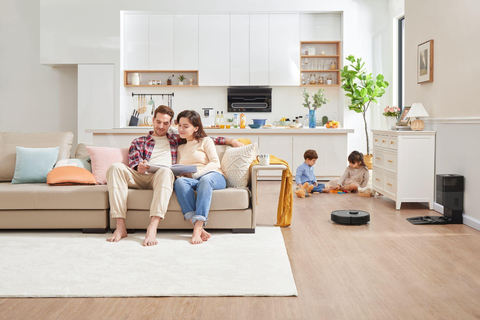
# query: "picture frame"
{"points": [[404, 120], [425, 62]]}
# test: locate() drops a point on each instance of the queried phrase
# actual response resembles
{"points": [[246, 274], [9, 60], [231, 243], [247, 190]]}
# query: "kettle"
{"points": [[136, 78]]}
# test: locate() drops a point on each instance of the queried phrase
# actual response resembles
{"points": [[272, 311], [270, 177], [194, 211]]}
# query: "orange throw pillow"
{"points": [[69, 175]]}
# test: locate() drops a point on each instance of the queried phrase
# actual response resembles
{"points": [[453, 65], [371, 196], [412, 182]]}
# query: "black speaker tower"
{"points": [[450, 190]]}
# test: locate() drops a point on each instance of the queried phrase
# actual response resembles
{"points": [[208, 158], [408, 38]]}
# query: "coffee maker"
{"points": [[208, 117], [449, 193]]}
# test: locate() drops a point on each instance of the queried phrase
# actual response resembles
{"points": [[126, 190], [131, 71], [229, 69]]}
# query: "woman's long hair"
{"points": [[194, 118], [356, 156]]}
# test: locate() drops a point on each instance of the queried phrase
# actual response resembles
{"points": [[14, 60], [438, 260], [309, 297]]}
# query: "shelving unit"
{"points": [[332, 54], [161, 75]]}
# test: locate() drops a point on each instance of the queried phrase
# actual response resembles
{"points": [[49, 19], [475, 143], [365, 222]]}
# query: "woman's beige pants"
{"points": [[121, 177]]}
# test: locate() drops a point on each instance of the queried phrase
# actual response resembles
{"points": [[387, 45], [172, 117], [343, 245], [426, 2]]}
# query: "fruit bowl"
{"points": [[284, 123], [255, 126], [332, 124]]}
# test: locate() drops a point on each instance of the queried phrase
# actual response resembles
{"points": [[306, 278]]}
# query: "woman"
{"points": [[200, 152]]}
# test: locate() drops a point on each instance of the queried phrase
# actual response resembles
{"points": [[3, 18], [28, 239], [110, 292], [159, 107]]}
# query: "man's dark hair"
{"points": [[164, 110]]}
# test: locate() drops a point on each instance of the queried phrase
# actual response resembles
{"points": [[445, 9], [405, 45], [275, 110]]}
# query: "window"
{"points": [[401, 62]]}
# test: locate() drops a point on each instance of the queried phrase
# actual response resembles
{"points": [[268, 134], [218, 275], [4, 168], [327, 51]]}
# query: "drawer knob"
{"points": [[377, 179], [391, 142], [376, 140], [389, 184], [378, 158], [383, 141], [390, 161]]}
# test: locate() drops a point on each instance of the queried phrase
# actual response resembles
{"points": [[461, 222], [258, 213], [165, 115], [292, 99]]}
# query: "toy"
{"points": [[304, 191], [339, 191], [366, 192]]}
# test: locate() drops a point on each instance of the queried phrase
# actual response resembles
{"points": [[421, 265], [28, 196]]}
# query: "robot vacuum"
{"points": [[350, 217]]}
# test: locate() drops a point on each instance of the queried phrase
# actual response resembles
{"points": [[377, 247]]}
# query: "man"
{"points": [[158, 147]]}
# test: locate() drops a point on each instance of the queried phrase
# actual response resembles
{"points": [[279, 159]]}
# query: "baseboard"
{"points": [[471, 222], [467, 220]]}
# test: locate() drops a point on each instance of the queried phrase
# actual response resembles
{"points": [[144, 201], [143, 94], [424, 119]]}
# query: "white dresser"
{"points": [[404, 165]]}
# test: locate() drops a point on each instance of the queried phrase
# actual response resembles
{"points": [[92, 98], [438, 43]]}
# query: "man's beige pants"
{"points": [[121, 177]]}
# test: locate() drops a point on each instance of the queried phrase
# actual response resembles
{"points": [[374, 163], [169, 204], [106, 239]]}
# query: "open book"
{"points": [[177, 169]]}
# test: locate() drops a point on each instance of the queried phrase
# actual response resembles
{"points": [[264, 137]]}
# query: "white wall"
{"points": [[452, 94], [33, 97]]}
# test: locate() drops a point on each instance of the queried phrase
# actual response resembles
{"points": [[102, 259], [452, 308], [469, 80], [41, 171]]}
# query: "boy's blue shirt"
{"points": [[305, 173]]}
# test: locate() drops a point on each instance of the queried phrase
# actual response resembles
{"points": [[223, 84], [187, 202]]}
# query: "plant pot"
{"points": [[391, 121], [180, 83], [368, 158], [312, 119]]}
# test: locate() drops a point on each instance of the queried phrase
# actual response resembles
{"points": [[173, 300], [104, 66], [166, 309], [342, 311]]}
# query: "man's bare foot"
{"points": [[151, 237], [118, 235], [205, 235]]}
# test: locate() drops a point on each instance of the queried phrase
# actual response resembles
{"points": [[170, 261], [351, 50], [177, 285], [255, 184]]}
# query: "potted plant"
{"points": [[318, 100], [391, 114], [362, 89], [181, 78]]}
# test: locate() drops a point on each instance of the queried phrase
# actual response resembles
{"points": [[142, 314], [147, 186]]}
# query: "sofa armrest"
{"points": [[255, 170]]}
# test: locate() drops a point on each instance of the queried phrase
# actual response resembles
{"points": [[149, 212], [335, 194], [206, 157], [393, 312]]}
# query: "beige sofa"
{"points": [[40, 206]]}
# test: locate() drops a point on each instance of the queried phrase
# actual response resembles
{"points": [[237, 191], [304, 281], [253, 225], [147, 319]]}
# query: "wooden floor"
{"points": [[389, 269]]}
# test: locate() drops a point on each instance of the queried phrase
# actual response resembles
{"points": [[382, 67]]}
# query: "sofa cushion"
{"points": [[10, 140], [43, 196], [32, 165], [103, 158], [226, 199], [68, 175], [236, 165]]}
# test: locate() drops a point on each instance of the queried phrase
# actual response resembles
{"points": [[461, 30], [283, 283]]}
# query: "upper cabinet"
{"points": [[259, 49], [136, 41], [214, 49], [284, 49], [239, 49], [320, 27], [160, 42], [185, 44]]}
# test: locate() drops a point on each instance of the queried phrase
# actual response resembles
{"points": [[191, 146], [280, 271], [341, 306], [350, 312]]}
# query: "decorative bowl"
{"points": [[255, 126], [295, 125], [259, 121], [284, 123]]}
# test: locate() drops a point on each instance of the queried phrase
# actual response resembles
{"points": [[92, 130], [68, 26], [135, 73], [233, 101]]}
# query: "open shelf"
{"points": [[161, 75], [332, 52]]}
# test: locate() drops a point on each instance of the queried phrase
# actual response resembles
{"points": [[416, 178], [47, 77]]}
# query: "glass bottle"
{"points": [[303, 79], [217, 120], [333, 66], [321, 80], [243, 121], [222, 121], [235, 120], [313, 79]]}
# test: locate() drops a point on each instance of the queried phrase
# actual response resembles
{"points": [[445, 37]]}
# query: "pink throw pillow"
{"points": [[103, 157]]}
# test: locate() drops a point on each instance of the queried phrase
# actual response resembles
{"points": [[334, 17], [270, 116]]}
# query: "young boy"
{"points": [[306, 173]]}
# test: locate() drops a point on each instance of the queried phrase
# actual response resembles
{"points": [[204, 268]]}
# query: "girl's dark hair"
{"points": [[195, 120], [356, 156]]}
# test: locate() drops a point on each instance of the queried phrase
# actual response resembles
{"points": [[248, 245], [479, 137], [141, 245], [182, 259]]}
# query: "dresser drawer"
{"points": [[390, 162], [392, 143], [378, 158], [390, 185], [377, 140], [377, 180], [384, 140]]}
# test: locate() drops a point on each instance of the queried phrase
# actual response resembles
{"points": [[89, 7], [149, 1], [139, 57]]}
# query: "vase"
{"points": [[312, 119], [391, 121]]}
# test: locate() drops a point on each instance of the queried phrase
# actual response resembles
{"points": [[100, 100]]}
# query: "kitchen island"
{"points": [[287, 144]]}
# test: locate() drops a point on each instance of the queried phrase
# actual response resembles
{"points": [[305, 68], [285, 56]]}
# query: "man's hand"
{"points": [[234, 143], [143, 167], [186, 175]]}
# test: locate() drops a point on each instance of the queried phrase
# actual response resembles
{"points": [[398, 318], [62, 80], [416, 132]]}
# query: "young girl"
{"points": [[200, 151], [356, 175]]}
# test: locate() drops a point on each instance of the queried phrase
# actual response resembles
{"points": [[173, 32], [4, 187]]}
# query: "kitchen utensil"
{"points": [[259, 121], [133, 119]]}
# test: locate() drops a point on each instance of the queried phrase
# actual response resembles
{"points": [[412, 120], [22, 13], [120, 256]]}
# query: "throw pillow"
{"points": [[103, 157], [236, 165], [33, 164], [81, 152], [74, 163], [70, 175]]}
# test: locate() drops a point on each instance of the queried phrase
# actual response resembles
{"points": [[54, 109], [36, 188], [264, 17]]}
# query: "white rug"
{"points": [[71, 264]]}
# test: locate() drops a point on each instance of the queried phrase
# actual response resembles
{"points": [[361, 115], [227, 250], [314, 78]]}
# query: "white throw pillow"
{"points": [[236, 164]]}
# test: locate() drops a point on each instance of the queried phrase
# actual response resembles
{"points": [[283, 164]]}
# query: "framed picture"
{"points": [[404, 120], [425, 62]]}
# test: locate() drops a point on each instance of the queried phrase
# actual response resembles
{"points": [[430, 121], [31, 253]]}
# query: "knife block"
{"points": [[133, 121]]}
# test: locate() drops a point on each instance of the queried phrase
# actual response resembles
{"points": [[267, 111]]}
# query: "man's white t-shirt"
{"points": [[161, 152]]}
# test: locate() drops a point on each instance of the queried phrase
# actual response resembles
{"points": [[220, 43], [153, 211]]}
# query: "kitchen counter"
{"points": [[249, 131]]}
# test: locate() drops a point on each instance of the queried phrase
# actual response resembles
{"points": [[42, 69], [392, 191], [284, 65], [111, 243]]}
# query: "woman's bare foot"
{"points": [[197, 232], [151, 236], [118, 235], [205, 235]]}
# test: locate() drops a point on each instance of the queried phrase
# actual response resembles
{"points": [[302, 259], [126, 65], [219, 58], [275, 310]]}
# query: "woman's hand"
{"points": [[186, 175]]}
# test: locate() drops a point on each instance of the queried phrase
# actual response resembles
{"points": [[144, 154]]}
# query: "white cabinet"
{"points": [[404, 165], [185, 44], [284, 49], [136, 41], [96, 99], [259, 49], [160, 42], [214, 49], [331, 150], [239, 50], [320, 26]]}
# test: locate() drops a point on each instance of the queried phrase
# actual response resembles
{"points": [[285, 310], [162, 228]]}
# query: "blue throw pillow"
{"points": [[33, 164]]}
